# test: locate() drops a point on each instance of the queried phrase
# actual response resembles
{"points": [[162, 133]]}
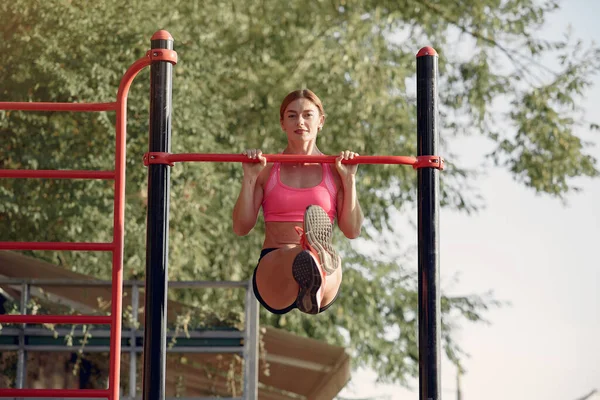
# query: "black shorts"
{"points": [[289, 308]]}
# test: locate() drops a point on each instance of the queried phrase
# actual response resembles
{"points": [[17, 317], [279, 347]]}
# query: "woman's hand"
{"points": [[346, 171], [251, 169]]}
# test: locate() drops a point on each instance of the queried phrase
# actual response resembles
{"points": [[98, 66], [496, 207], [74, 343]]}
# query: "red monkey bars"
{"points": [[116, 246]]}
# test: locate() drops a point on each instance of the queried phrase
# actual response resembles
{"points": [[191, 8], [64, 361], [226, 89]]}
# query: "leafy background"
{"points": [[237, 61]]}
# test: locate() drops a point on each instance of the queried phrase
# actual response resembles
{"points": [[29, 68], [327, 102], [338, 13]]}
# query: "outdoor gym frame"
{"points": [[161, 59]]}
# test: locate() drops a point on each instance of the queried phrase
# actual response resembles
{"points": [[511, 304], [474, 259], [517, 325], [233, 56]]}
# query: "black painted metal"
{"points": [[428, 230], [157, 254]]}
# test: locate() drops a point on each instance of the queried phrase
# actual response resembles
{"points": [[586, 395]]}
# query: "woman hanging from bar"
{"points": [[298, 265]]}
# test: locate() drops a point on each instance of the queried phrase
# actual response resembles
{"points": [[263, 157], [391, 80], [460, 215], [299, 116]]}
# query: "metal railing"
{"points": [[248, 338]]}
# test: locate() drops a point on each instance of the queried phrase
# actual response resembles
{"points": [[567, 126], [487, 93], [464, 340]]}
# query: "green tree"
{"points": [[237, 61]]}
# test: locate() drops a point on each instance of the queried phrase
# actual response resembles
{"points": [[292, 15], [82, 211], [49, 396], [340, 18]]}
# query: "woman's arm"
{"points": [[350, 215], [245, 211]]}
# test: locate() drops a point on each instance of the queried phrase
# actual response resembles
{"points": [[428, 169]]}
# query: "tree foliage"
{"points": [[237, 61]]}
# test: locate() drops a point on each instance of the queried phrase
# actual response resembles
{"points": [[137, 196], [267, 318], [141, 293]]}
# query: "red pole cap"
{"points": [[162, 35], [427, 51]]}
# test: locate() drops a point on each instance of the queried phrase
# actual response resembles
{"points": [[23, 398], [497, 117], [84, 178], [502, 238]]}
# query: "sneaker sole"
{"points": [[306, 273], [318, 231]]}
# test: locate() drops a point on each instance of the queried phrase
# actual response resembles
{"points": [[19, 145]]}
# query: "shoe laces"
{"points": [[305, 246], [303, 240]]}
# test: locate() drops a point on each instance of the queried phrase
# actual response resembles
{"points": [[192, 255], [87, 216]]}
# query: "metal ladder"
{"points": [[114, 320], [115, 246]]}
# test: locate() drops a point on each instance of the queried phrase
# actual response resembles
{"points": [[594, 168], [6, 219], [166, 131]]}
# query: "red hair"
{"points": [[301, 94]]}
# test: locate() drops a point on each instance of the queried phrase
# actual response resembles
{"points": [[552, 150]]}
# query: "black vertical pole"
{"points": [[428, 231], [157, 239]]}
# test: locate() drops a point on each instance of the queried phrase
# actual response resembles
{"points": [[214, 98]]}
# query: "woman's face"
{"points": [[302, 120]]}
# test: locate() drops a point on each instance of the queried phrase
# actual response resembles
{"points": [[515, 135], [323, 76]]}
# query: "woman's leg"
{"points": [[274, 279], [278, 287], [332, 286]]}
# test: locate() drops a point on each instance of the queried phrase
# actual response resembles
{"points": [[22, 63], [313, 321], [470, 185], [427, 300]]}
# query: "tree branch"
{"points": [[511, 54]]}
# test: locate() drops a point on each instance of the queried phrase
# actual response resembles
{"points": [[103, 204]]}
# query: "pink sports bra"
{"points": [[282, 203]]}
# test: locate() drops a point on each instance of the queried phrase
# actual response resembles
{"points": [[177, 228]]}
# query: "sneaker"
{"points": [[316, 238], [306, 272]]}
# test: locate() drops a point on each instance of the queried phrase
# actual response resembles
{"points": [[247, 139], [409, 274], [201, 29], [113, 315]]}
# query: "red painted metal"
{"points": [[118, 229], [119, 226], [162, 55], [162, 35], [436, 162], [157, 157], [42, 106], [427, 51], [72, 246], [171, 159], [56, 174], [55, 319], [120, 106], [166, 158], [67, 393]]}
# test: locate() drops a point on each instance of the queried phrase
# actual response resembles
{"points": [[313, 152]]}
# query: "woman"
{"points": [[298, 266]]}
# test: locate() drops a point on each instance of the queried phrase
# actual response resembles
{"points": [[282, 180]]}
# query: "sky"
{"points": [[534, 252]]}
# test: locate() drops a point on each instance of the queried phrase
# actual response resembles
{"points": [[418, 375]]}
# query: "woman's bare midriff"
{"points": [[279, 234]]}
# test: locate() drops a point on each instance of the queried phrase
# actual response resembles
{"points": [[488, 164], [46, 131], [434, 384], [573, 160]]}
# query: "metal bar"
{"points": [[99, 333], [65, 393], [208, 350], [86, 282], [72, 246], [58, 348], [55, 319], [139, 398], [56, 174], [55, 282], [289, 158], [157, 239], [22, 355], [47, 106], [191, 398], [114, 363], [251, 345], [135, 304], [428, 228], [247, 345], [206, 284], [137, 349], [119, 225]]}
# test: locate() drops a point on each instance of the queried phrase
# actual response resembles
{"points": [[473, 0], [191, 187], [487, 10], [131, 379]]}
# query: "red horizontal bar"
{"points": [[56, 174], [73, 246], [289, 158], [71, 393], [56, 319], [45, 106]]}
